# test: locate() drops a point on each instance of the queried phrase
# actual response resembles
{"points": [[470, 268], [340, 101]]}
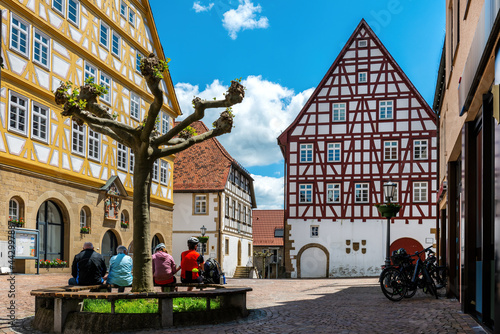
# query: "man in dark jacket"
{"points": [[88, 267]]}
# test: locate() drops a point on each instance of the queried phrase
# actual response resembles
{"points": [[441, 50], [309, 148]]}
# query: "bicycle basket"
{"points": [[399, 257]]}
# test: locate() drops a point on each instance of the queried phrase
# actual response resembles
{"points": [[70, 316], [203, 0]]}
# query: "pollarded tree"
{"points": [[146, 142]]}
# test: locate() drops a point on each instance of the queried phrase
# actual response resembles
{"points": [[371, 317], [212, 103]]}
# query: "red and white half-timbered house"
{"points": [[365, 124]]}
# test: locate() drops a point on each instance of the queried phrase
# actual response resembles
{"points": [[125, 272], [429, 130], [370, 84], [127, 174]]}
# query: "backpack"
{"points": [[211, 272]]}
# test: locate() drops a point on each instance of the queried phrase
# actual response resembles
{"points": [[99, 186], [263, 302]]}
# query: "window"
{"points": [[19, 36], [338, 112], [314, 231], [420, 149], [305, 193], [227, 207], [362, 77], [240, 213], [164, 172], [121, 157], [385, 110], [395, 197], [138, 57], [83, 218], [116, 43], [94, 144], [390, 150], [18, 111], [226, 247], [249, 249], [39, 122], [306, 152], [200, 204], [78, 139], [333, 152], [154, 172], [89, 72], [14, 209], [58, 5], [131, 17], [362, 43], [123, 9], [106, 83], [361, 192], [249, 218], [124, 217], [41, 49], [104, 35], [74, 12], [165, 123], [135, 104], [420, 191], [245, 214], [201, 248], [236, 178], [132, 161], [333, 193], [234, 210], [279, 233]]}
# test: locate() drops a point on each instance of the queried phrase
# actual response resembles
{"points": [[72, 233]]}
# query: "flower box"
{"points": [[85, 230], [16, 222], [124, 224], [388, 210]]}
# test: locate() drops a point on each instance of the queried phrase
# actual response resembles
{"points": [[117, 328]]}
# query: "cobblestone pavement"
{"points": [[344, 306]]}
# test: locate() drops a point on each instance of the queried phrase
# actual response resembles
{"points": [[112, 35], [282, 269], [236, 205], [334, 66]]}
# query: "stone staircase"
{"points": [[243, 272]]}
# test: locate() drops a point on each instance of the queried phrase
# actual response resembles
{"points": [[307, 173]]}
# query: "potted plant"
{"points": [[124, 224], [388, 210], [85, 230], [16, 222]]}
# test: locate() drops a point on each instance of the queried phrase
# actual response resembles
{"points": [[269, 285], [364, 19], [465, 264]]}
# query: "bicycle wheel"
{"points": [[392, 284], [438, 275], [431, 287]]}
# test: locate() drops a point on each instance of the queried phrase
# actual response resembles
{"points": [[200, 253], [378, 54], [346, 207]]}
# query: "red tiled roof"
{"points": [[264, 222], [202, 167]]}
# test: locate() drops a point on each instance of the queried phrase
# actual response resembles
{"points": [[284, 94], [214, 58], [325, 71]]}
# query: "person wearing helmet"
{"points": [[191, 264]]}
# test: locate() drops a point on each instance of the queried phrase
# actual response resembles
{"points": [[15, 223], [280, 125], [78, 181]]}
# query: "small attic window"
{"points": [[362, 43], [278, 233]]}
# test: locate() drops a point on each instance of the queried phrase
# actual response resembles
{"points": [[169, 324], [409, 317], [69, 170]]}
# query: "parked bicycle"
{"points": [[402, 279]]}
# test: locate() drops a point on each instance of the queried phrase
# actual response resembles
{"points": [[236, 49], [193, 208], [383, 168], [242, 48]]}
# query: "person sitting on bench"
{"points": [[88, 267], [191, 264], [120, 269], [164, 267]]}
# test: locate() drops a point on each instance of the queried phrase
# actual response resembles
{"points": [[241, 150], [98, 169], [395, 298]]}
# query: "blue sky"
{"points": [[281, 50]]}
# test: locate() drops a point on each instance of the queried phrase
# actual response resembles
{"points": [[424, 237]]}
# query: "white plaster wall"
{"points": [[230, 261], [333, 236]]}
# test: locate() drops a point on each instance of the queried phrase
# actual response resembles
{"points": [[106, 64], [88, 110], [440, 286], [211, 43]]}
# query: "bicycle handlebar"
{"points": [[428, 249]]}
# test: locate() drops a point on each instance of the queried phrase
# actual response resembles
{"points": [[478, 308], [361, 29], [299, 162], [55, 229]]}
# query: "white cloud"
{"points": [[269, 192], [198, 7], [243, 17], [266, 111]]}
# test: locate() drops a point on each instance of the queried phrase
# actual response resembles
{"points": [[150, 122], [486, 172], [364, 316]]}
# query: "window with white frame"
{"points": [[334, 152], [131, 17], [233, 215], [305, 193], [123, 9], [39, 122], [227, 206], [164, 172], [362, 77], [14, 209], [396, 190], [89, 71], [121, 157], [165, 122], [74, 12], [135, 105], [240, 213], [314, 231], [104, 35], [18, 113], [116, 44], [132, 161], [390, 150], [154, 172], [236, 178], [41, 49], [333, 193], [419, 191], [138, 57], [420, 149], [361, 193], [385, 110], [338, 112], [58, 6], [200, 204], [245, 214], [306, 152], [94, 151], [78, 139], [19, 36], [83, 218], [105, 82]]}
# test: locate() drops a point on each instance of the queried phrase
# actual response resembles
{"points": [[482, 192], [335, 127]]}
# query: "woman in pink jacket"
{"points": [[164, 267]]}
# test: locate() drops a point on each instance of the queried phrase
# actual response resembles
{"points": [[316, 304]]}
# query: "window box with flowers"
{"points": [[57, 263], [388, 210], [125, 224], [85, 230], [16, 222]]}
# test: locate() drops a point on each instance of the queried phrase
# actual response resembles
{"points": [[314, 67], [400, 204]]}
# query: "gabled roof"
{"points": [[362, 28], [114, 186], [205, 167], [264, 223]]}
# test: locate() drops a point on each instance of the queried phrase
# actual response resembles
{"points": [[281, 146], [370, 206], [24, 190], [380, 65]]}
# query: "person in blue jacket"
{"points": [[120, 269], [88, 267]]}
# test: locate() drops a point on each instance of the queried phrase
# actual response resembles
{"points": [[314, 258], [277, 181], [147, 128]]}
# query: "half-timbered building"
{"points": [[365, 124]]}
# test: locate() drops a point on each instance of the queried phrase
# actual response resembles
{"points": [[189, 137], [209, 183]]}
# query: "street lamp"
{"points": [[389, 192], [203, 230]]}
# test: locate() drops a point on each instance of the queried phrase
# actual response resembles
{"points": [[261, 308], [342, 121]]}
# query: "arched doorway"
{"points": [[410, 245], [313, 263], [239, 252], [108, 246], [50, 224]]}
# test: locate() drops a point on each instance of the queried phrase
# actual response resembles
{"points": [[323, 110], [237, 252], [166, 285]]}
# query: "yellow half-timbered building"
{"points": [[70, 183]]}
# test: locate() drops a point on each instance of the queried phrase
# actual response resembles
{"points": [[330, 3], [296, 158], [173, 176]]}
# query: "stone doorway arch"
{"points": [[313, 260]]}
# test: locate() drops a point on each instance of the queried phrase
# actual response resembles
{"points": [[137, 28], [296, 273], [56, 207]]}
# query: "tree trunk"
{"points": [[143, 271]]}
